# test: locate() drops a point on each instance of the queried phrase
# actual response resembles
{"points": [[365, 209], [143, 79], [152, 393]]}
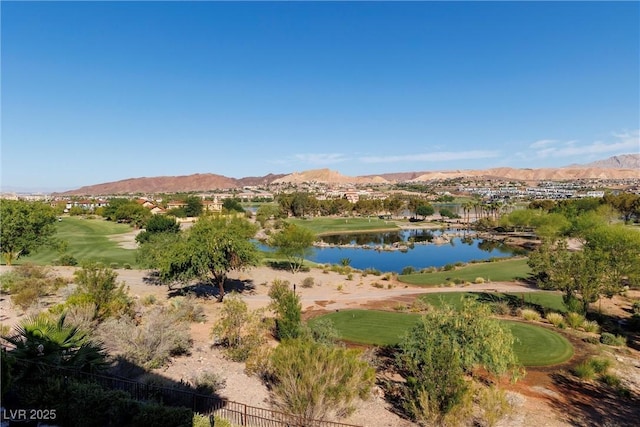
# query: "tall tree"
{"points": [[294, 243], [158, 224], [209, 250], [193, 206], [26, 226]]}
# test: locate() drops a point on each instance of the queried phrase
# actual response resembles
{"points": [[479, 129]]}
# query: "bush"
{"points": [[408, 270], [28, 284], [151, 343], [239, 330], [148, 300], [126, 266], [591, 326], [187, 309], [114, 266], [501, 308], [613, 340], [286, 303], [575, 320], [600, 365], [67, 260], [479, 280], [584, 370], [350, 276], [204, 421], [308, 282], [611, 380], [208, 383], [373, 271], [556, 319], [448, 267], [531, 315], [97, 284], [311, 380], [636, 307]]}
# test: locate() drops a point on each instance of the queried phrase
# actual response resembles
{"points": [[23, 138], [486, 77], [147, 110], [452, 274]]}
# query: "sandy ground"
{"points": [[533, 402]]}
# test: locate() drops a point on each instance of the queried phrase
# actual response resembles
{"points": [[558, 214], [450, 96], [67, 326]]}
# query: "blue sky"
{"points": [[98, 92]]}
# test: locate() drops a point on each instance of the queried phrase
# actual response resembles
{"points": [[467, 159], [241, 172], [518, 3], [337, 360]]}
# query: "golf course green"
{"points": [[535, 345]]}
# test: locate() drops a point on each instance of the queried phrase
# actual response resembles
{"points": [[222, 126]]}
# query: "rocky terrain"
{"points": [[617, 167]]}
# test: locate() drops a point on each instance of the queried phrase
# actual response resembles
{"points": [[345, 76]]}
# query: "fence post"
{"points": [[245, 422]]}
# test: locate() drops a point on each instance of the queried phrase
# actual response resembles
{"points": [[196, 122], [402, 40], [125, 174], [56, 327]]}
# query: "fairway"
{"points": [[535, 346], [497, 271], [87, 239]]}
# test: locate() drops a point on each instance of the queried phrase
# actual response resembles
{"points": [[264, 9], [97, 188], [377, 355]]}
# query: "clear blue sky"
{"points": [[99, 92]]}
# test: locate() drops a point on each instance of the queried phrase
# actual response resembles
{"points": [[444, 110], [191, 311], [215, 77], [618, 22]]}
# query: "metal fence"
{"points": [[237, 413]]}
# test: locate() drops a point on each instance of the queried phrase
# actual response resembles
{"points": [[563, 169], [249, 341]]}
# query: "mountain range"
{"points": [[617, 167]]}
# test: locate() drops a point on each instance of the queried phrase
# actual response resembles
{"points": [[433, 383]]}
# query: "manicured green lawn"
{"points": [[543, 300], [87, 240], [344, 225], [538, 346], [498, 271], [535, 346]]}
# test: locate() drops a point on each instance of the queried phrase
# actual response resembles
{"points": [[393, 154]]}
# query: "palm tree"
{"points": [[48, 343]]}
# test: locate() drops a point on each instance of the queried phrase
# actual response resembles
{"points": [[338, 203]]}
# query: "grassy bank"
{"points": [[497, 271]]}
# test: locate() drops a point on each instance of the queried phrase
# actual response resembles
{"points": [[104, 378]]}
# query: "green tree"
{"points": [[444, 347], [232, 205], [26, 227], [286, 303], [126, 211], [424, 210], [294, 243], [158, 224], [209, 250], [312, 380], [193, 206]]}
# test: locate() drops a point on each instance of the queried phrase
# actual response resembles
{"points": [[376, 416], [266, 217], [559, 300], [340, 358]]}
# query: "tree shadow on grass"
{"points": [[595, 403]]}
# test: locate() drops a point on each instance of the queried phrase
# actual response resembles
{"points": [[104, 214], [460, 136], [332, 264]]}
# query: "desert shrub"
{"points": [[205, 421], [148, 300], [239, 330], [187, 308], [114, 266], [574, 320], [208, 383], [308, 282], [373, 271], [312, 381], [322, 331], [531, 315], [611, 380], [387, 276], [28, 284], [556, 319], [479, 280], [501, 308], [429, 270], [591, 340], [377, 285], [83, 316], [286, 304], [67, 260], [613, 340], [448, 267], [584, 370], [493, 405], [151, 343], [350, 276], [408, 270], [636, 307], [591, 326], [600, 365], [97, 284], [420, 306], [126, 266]]}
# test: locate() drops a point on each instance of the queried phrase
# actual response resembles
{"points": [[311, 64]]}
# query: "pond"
{"points": [[452, 246]]}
